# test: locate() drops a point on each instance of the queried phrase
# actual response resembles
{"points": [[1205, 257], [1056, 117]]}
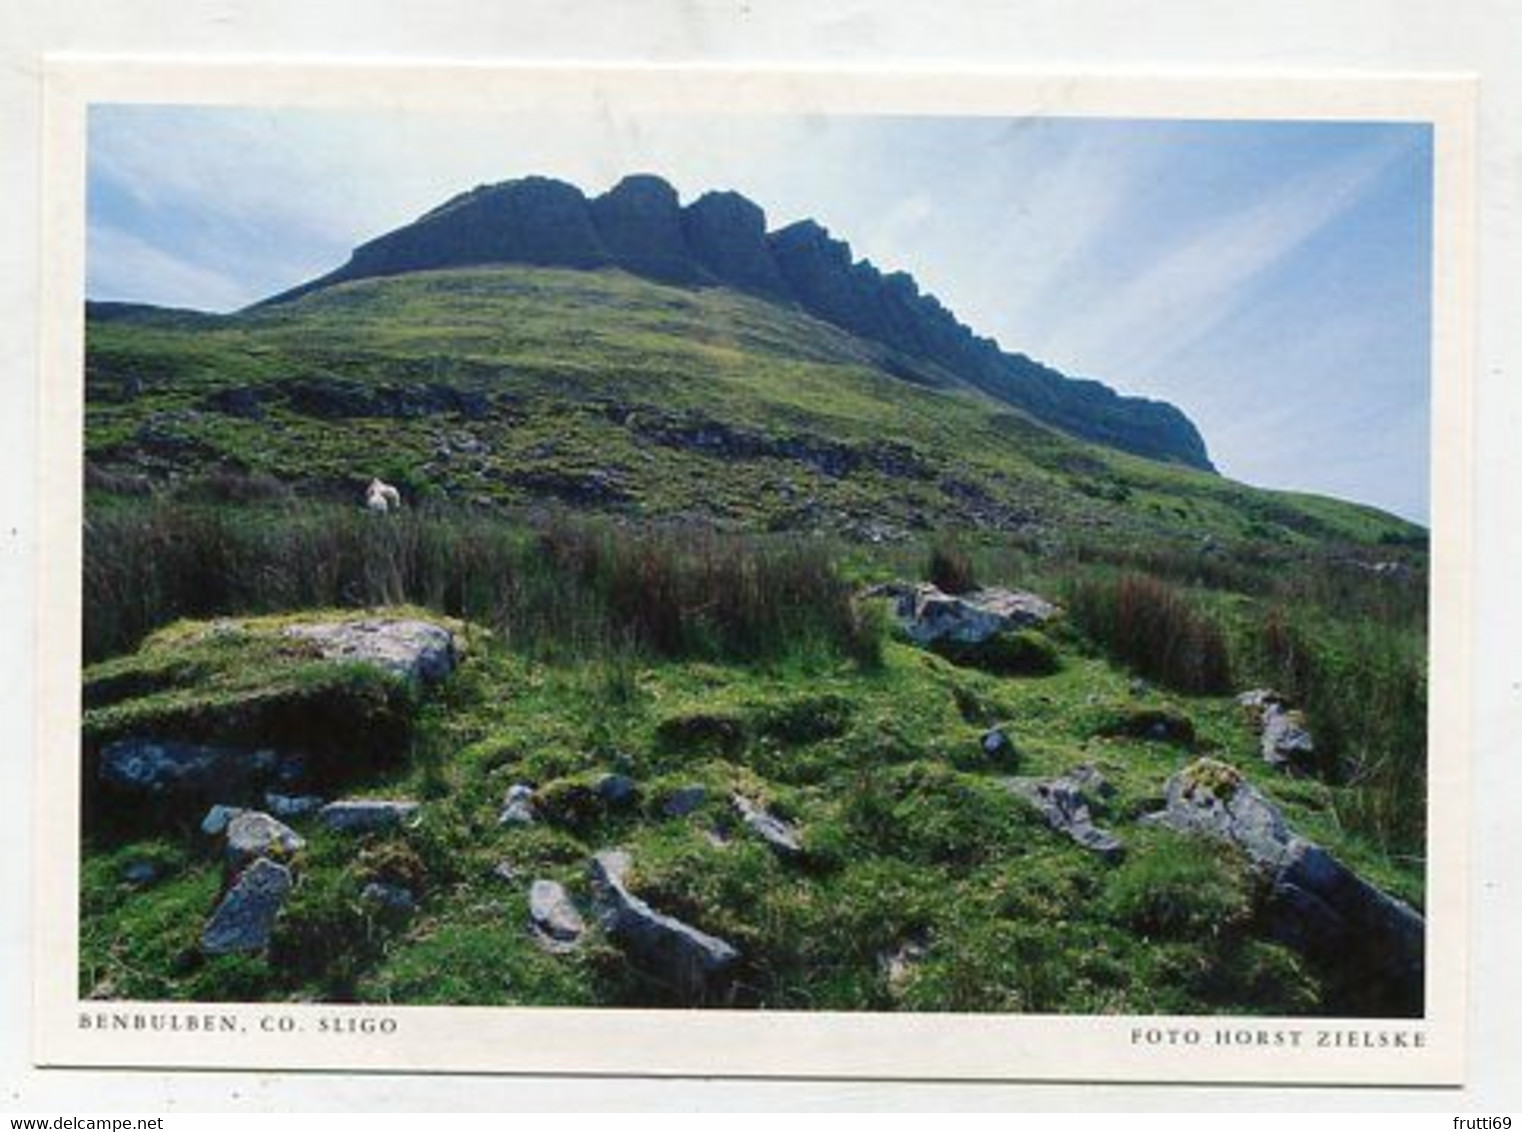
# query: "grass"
{"points": [[654, 507], [909, 836]]}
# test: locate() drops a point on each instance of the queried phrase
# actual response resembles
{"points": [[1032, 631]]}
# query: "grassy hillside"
{"points": [[655, 516], [510, 385]]}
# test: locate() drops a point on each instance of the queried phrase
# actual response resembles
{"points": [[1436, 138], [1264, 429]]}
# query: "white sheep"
{"points": [[382, 497]]}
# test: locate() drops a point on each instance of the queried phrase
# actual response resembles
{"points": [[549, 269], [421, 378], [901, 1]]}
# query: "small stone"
{"points": [[518, 806], [698, 967], [556, 923], [286, 806], [214, 824], [245, 916], [778, 834], [392, 897], [140, 873], [684, 801], [617, 790], [995, 743], [505, 871], [367, 815]]}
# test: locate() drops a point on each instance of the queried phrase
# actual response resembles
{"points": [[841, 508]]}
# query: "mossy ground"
{"points": [[910, 837]]}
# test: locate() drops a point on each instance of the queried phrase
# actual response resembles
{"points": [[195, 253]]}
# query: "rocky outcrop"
{"points": [[928, 616], [640, 222], [697, 967], [727, 235], [1065, 800], [192, 773], [422, 651], [1317, 905], [640, 226], [245, 916]]}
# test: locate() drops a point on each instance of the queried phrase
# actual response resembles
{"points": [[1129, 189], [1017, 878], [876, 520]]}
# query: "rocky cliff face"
{"points": [[721, 240]]}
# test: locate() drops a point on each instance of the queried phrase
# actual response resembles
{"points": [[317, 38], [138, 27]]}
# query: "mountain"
{"points": [[721, 239]]}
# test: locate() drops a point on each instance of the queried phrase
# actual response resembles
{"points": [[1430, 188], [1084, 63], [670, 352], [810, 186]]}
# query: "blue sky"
{"points": [[1272, 279]]}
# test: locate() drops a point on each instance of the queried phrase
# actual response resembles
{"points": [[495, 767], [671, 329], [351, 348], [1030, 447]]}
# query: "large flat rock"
{"points": [[410, 648]]}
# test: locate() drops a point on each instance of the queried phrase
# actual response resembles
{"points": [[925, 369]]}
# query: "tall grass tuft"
{"points": [[1363, 686], [1154, 628], [563, 586], [950, 567]]}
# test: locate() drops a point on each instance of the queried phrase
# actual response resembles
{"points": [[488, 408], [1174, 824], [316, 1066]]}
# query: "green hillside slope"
{"points": [[514, 385]]}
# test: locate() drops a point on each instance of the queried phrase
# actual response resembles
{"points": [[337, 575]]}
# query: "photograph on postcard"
{"points": [[632, 589], [677, 560]]}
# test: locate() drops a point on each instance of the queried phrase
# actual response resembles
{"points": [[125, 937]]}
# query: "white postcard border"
{"points": [[68, 1032]]}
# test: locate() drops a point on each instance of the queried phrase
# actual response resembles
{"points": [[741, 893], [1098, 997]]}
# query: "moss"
{"points": [[1213, 777], [1025, 652]]}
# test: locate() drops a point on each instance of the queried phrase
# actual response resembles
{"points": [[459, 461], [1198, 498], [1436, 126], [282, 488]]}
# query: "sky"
{"points": [[1272, 279]]}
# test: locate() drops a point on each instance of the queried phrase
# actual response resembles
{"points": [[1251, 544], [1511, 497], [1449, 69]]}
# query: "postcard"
{"points": [[685, 571]]}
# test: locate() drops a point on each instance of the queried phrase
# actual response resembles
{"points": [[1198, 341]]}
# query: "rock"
{"points": [[684, 801], [727, 235], [1064, 802], [996, 744], [898, 963], [214, 824], [778, 834], [167, 769], [505, 871], [640, 222], [285, 806], [1317, 904], [928, 616], [555, 922], [140, 873], [415, 650], [1285, 743], [366, 815], [391, 897], [618, 791], [698, 967], [245, 916], [518, 806], [252, 835]]}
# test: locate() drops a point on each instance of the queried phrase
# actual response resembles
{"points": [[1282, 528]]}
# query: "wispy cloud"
{"points": [[126, 267], [1137, 327]]}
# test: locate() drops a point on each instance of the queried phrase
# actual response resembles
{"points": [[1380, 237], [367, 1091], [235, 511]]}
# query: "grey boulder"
{"points": [[553, 918], [697, 967], [252, 834], [367, 815], [1064, 803], [245, 916], [409, 648], [170, 769], [928, 615], [1317, 904]]}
